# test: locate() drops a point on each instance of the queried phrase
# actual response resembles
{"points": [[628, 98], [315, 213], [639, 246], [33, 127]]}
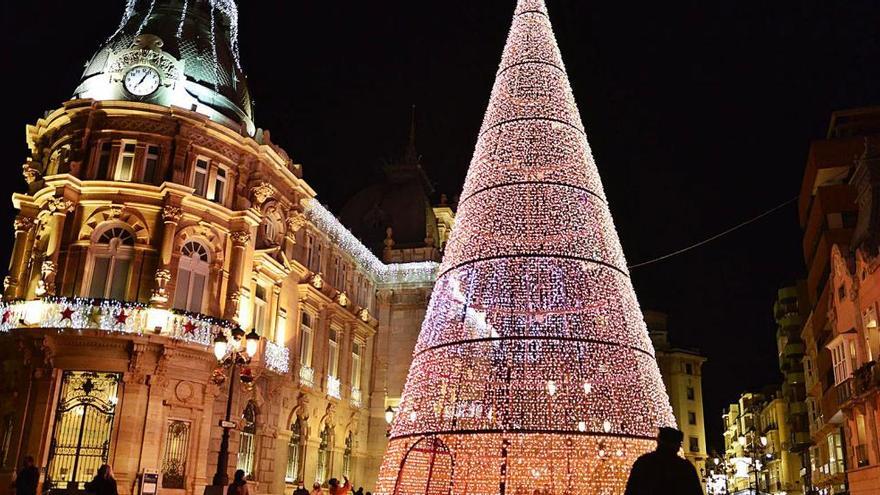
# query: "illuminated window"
{"points": [[294, 452], [333, 354], [200, 178], [176, 448], [151, 164], [323, 456], [125, 163], [261, 308], [111, 259], [192, 277], [346, 456], [247, 440], [220, 185], [305, 356]]}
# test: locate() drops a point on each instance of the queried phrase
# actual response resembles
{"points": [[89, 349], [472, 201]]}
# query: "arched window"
{"points": [[246, 445], [111, 261], [346, 457], [272, 228], [294, 452], [323, 456], [192, 277]]}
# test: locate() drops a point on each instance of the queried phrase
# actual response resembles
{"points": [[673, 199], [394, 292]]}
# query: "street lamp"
{"points": [[389, 415], [230, 355]]}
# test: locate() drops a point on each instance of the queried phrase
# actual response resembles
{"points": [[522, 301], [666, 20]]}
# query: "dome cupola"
{"points": [[174, 52]]}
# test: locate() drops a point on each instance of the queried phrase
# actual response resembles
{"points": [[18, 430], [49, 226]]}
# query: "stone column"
{"points": [[58, 208], [24, 225], [240, 240], [170, 218]]}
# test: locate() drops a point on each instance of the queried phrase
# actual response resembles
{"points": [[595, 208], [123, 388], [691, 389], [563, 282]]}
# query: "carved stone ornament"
{"points": [[24, 224], [295, 221], [342, 299], [30, 173], [46, 285], [159, 60], [364, 315], [7, 282], [317, 281], [160, 294], [262, 192], [240, 238], [60, 206], [171, 213]]}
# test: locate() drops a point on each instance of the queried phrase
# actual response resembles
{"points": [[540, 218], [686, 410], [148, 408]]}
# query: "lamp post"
{"points": [[755, 449], [230, 355]]}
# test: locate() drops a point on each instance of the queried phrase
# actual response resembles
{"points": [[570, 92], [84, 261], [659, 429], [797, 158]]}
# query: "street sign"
{"points": [[226, 424], [149, 482]]}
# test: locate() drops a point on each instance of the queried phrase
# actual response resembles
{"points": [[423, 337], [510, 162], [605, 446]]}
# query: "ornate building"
{"points": [[158, 222]]}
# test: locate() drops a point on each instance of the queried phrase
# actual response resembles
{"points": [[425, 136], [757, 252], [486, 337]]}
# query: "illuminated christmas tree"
{"points": [[533, 369]]}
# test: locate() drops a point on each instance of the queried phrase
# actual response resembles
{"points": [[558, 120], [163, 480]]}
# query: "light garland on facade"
{"points": [[533, 369], [77, 314], [423, 272]]}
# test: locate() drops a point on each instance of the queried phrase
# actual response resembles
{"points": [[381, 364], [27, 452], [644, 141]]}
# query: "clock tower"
{"points": [[181, 53]]}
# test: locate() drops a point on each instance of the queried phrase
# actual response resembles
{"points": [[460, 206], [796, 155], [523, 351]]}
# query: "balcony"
{"points": [[306, 376], [867, 378], [334, 386], [123, 317], [845, 391], [356, 399], [861, 455]]}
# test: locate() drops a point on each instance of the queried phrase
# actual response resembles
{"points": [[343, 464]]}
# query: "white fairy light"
{"points": [[145, 19], [533, 313]]}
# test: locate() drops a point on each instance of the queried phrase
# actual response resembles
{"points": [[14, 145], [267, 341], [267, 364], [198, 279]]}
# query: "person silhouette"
{"points": [[663, 472]]}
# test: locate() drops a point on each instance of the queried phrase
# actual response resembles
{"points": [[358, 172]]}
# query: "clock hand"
{"points": [[142, 79]]}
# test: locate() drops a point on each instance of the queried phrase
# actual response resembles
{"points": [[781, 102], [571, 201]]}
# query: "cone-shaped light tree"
{"points": [[533, 369]]}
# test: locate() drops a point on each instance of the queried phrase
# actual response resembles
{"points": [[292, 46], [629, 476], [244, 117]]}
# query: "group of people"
{"points": [[660, 472], [333, 488]]}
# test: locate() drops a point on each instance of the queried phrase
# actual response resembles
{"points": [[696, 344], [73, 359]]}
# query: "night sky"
{"points": [[699, 114]]}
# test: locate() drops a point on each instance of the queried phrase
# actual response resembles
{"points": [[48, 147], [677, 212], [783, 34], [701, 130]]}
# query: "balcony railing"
{"points": [[356, 400], [861, 453], [334, 387], [306, 376], [122, 317]]}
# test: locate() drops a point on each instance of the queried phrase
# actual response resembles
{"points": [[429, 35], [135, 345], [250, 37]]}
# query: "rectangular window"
{"points": [[6, 439], [337, 273], [689, 368], [220, 186], [356, 353], [310, 250], [125, 165], [151, 163], [690, 393], [305, 356], [176, 448], [319, 251], [260, 310], [200, 178], [104, 161], [333, 356], [693, 444], [692, 418]]}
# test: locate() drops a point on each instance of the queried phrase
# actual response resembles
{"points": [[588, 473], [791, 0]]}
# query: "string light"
{"points": [[533, 315]]}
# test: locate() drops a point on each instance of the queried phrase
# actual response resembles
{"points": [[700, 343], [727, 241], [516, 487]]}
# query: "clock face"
{"points": [[141, 80]]}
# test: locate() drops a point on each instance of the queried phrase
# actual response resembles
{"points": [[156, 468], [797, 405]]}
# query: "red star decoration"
{"points": [[189, 328], [121, 317], [66, 314], [6, 315]]}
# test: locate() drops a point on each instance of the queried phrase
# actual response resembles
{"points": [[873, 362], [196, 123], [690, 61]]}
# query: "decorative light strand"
{"points": [[533, 370]]}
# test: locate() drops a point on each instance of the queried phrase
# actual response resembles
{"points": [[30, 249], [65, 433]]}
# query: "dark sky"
{"points": [[699, 115]]}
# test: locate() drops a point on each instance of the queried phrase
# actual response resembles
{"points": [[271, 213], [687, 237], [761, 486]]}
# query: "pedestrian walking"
{"points": [[301, 490], [104, 483], [239, 484], [28, 478], [663, 472], [316, 489]]}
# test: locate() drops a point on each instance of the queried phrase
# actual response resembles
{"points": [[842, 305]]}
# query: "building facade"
{"points": [[682, 372], [790, 311], [855, 340], [157, 219], [828, 214]]}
